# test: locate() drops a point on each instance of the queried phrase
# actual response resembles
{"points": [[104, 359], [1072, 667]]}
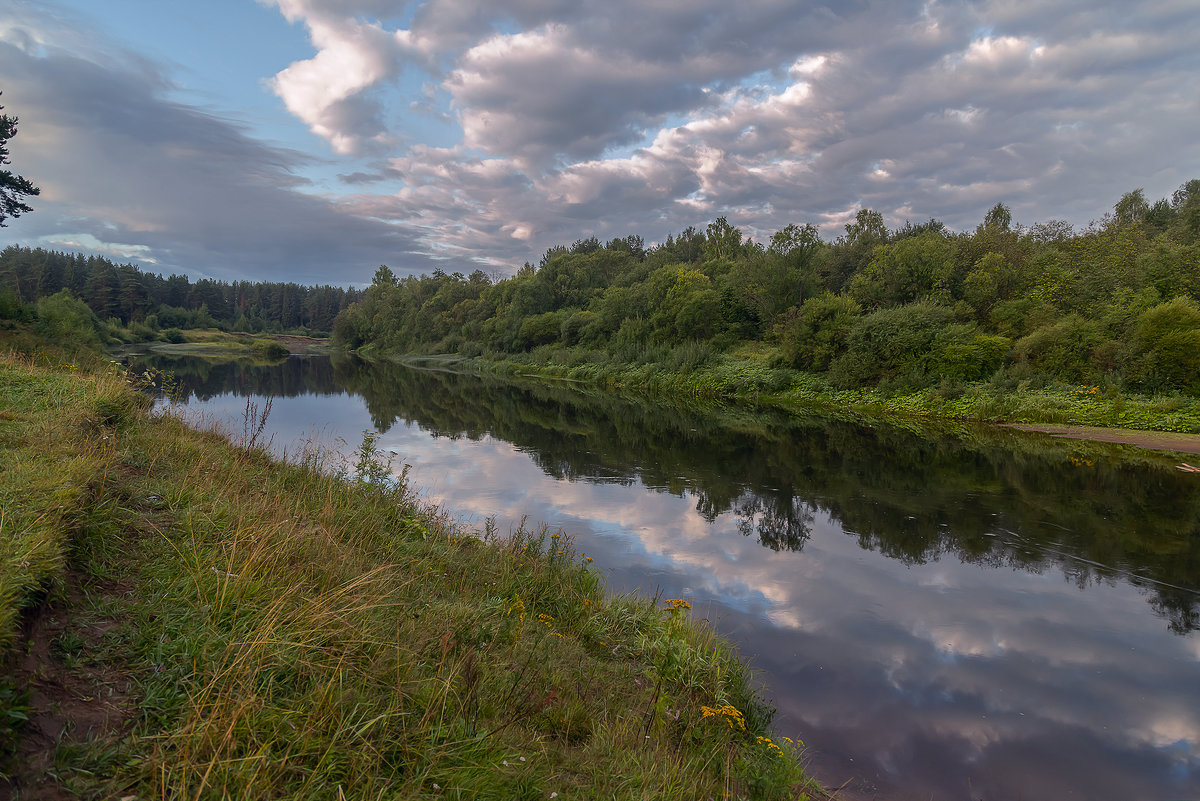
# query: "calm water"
{"points": [[972, 614]]}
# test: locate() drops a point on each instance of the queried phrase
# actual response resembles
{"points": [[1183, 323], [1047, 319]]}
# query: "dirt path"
{"points": [[1153, 440], [73, 702]]}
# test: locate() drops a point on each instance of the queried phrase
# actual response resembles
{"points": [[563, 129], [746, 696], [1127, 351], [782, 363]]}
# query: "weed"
{"points": [[68, 648], [254, 423], [293, 632], [14, 714]]}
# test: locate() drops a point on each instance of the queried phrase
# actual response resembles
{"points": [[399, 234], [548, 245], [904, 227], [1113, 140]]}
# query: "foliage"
{"points": [[918, 307], [12, 187], [1167, 347], [132, 296], [67, 320], [813, 335]]}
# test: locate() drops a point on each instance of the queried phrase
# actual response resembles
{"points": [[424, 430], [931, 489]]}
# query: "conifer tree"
{"points": [[12, 187]]}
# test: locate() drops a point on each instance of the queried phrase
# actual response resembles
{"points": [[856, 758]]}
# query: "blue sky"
{"points": [[312, 140]]}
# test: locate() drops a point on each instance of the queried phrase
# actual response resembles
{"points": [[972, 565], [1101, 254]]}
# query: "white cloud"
{"points": [[327, 91], [501, 128], [129, 173]]}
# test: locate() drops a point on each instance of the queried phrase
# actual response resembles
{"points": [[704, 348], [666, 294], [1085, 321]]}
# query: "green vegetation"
{"points": [[12, 187], [66, 321], [140, 306], [254, 629], [1002, 323]]}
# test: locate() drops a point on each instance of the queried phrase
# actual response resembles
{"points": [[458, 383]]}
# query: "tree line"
{"points": [[915, 307], [148, 303]]}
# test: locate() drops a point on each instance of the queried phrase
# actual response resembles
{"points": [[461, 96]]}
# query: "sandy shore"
{"points": [[1154, 440]]}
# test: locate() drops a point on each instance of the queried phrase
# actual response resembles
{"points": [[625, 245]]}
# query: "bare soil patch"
{"points": [[73, 698]]}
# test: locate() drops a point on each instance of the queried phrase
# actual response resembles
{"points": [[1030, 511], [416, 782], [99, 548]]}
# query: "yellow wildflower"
{"points": [[729, 713]]}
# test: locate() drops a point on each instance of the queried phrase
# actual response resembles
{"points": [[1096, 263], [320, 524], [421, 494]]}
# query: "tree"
{"points": [[913, 268], [1131, 208], [722, 240], [867, 228], [12, 187], [998, 216], [795, 240], [384, 276]]}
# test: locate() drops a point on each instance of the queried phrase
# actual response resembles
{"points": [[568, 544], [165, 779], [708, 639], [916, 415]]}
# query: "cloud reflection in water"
{"points": [[918, 677]]}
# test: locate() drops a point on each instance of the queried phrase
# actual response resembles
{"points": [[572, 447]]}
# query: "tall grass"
{"points": [[293, 632]]}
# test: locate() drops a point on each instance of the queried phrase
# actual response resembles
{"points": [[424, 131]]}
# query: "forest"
{"points": [[1112, 305], [125, 298]]}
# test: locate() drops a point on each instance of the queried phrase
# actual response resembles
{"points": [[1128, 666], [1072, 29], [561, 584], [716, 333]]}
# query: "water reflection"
{"points": [[953, 615]]}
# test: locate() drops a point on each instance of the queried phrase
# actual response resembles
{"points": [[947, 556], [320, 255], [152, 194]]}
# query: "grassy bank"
{"points": [[226, 344], [182, 616], [747, 376]]}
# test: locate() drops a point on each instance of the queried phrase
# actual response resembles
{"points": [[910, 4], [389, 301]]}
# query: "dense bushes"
{"points": [[1167, 347], [902, 310], [64, 319]]}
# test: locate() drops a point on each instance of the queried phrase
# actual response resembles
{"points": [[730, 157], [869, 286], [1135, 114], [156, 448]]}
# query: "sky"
{"points": [[312, 140]]}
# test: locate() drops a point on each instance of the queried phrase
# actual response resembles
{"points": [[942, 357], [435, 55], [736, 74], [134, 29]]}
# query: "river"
{"points": [[938, 612]]}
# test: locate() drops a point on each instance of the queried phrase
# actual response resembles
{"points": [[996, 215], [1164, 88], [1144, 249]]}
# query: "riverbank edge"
{"points": [[749, 382], [745, 377], [181, 614]]}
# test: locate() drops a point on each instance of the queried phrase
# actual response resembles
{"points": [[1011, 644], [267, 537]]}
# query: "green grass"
{"points": [[290, 632], [746, 376]]}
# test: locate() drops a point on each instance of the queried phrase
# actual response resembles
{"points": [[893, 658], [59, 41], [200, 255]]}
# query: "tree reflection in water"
{"points": [[984, 495]]}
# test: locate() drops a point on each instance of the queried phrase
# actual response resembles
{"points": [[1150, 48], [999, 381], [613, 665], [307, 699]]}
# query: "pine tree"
{"points": [[12, 187]]}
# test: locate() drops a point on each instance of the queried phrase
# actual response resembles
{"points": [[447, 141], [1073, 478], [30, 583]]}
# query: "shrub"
{"points": [[891, 344], [540, 329], [1063, 349], [811, 336], [67, 320], [964, 353], [140, 332], [268, 349], [1167, 347], [11, 307]]}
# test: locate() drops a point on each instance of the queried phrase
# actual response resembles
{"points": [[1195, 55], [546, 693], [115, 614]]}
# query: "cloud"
{"points": [[537, 95], [127, 172], [328, 91], [601, 114], [486, 132]]}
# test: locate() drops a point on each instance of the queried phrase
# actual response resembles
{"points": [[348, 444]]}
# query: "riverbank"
{"points": [[182, 615], [746, 377], [227, 344], [1150, 440]]}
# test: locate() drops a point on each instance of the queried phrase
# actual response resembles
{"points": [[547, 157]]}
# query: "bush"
{"points": [[67, 320], [811, 336], [268, 349], [892, 345], [1167, 347], [541, 329], [1064, 349], [964, 353], [140, 332], [11, 307]]}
